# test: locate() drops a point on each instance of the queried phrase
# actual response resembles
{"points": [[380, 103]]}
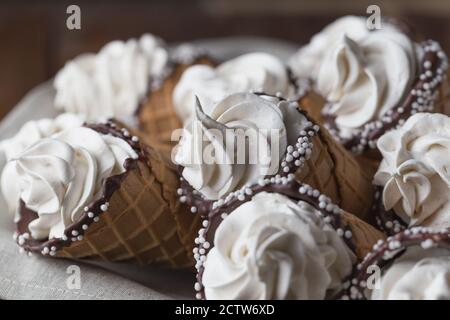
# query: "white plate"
{"points": [[38, 103]]}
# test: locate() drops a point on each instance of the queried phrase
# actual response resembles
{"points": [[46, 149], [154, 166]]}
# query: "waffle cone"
{"points": [[157, 116], [313, 103], [335, 172], [144, 222], [364, 235]]}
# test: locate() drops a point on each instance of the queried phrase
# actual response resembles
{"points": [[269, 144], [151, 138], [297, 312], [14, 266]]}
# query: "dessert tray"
{"points": [[40, 278]]}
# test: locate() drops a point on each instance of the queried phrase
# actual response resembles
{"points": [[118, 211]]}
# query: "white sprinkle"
{"points": [[90, 215], [84, 226], [427, 244]]}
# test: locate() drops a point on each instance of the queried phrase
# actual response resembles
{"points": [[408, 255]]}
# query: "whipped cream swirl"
{"points": [[254, 71], [113, 82], [415, 170], [274, 248], [57, 177], [417, 275], [242, 140]]}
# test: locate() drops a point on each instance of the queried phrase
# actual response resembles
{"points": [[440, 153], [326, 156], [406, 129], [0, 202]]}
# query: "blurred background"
{"points": [[35, 42]]}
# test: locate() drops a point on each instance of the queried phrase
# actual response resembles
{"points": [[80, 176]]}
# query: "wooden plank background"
{"points": [[35, 43]]}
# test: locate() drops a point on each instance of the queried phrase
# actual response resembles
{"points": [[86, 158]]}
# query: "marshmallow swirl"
{"points": [[363, 74], [306, 62], [363, 80], [274, 248], [417, 275], [58, 176], [253, 71], [243, 139], [113, 82], [414, 172], [35, 130]]}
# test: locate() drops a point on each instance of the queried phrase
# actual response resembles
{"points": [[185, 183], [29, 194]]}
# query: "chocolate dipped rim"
{"points": [[386, 251], [294, 159], [287, 186], [421, 98], [92, 211], [387, 220]]}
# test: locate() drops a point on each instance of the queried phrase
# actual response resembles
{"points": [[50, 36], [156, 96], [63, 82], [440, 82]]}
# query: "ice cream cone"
{"points": [[364, 235], [335, 172], [358, 237], [137, 216], [157, 116], [313, 103]]}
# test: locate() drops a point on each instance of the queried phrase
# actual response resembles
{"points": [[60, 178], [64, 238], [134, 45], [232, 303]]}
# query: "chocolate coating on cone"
{"points": [[386, 220]]}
